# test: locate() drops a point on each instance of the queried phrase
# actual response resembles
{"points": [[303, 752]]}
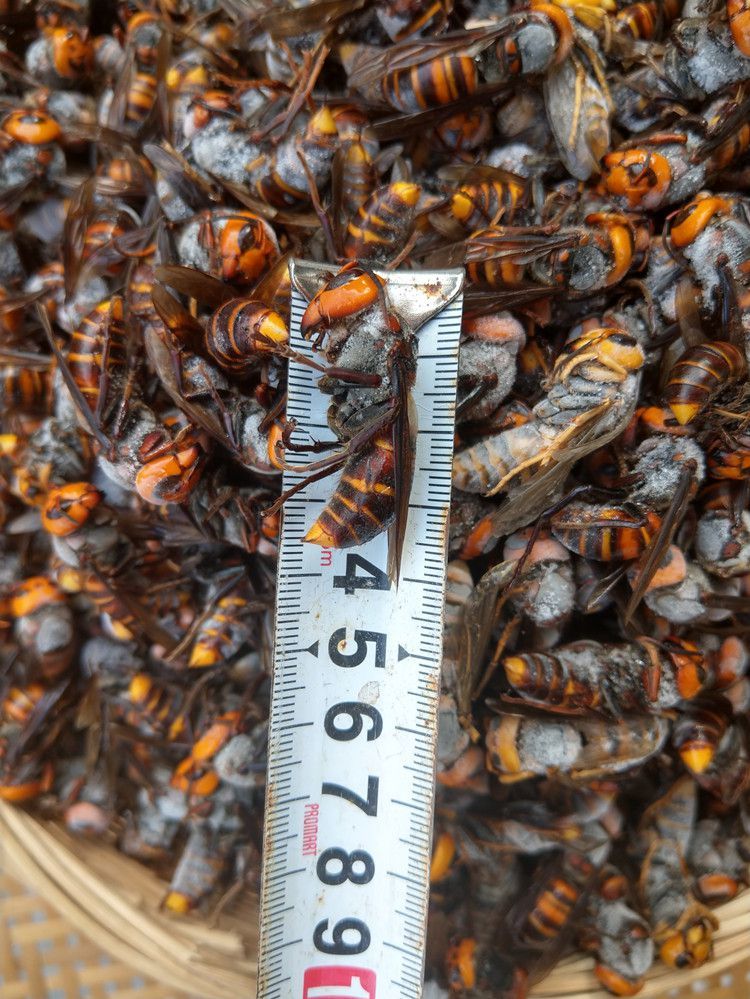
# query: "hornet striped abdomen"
{"points": [[98, 347], [363, 504], [699, 375], [431, 84]]}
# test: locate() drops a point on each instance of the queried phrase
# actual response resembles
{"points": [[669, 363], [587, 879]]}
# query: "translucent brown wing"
{"points": [[479, 619], [369, 65]]}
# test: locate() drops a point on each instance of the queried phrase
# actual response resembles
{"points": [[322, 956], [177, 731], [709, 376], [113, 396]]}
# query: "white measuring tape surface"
{"points": [[354, 711]]}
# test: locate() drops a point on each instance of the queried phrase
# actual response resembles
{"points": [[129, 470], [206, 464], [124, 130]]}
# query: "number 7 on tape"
{"points": [[339, 983]]}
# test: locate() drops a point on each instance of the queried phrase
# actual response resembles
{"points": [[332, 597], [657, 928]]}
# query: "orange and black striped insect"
{"points": [[728, 456], [643, 675], [172, 471], [195, 774], [44, 625], [700, 374], [225, 631], [544, 916], [21, 702], [97, 356], [236, 246], [380, 227], [61, 56], [647, 20], [605, 533], [24, 381], [699, 729], [156, 707], [350, 314]]}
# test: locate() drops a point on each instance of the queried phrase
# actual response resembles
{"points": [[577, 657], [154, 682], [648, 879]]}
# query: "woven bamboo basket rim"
{"points": [[115, 902]]}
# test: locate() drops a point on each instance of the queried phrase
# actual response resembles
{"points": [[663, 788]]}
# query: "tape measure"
{"points": [[351, 755]]}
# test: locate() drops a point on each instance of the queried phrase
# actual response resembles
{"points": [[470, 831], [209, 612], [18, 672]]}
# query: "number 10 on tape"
{"points": [[354, 709]]}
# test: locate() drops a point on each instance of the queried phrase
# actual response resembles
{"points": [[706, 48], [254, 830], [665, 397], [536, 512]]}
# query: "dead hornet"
{"points": [[699, 730], [722, 537], [543, 918], [581, 818], [44, 626], [438, 73], [234, 246], [711, 236], [533, 586], [612, 247], [667, 464], [617, 935], [703, 55], [62, 58], [682, 593], [453, 739], [279, 178], [199, 870], [521, 746], [643, 675], [484, 196], [236, 421], [83, 529], [668, 168], [371, 353], [699, 375], [719, 859], [155, 709], [55, 453], [196, 774], [156, 821], [225, 631], [31, 153], [590, 396], [476, 964], [682, 926], [603, 532], [25, 381], [486, 363]]}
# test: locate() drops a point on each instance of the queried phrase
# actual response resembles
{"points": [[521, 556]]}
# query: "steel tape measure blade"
{"points": [[354, 709]]}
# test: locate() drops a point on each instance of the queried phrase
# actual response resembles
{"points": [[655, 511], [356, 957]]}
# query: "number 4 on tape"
{"points": [[339, 983]]}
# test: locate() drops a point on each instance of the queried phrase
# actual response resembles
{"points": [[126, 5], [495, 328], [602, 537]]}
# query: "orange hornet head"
{"points": [[171, 477], [248, 247], [351, 291], [68, 507], [72, 53], [640, 176], [35, 128]]}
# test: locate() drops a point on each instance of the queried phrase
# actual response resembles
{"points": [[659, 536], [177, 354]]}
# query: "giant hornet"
{"points": [[618, 936], [643, 675], [666, 168], [371, 352], [524, 745], [590, 396], [442, 75], [682, 926]]}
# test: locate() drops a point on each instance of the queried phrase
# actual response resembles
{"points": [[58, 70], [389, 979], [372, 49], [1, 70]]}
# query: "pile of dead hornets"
{"points": [[586, 162]]}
